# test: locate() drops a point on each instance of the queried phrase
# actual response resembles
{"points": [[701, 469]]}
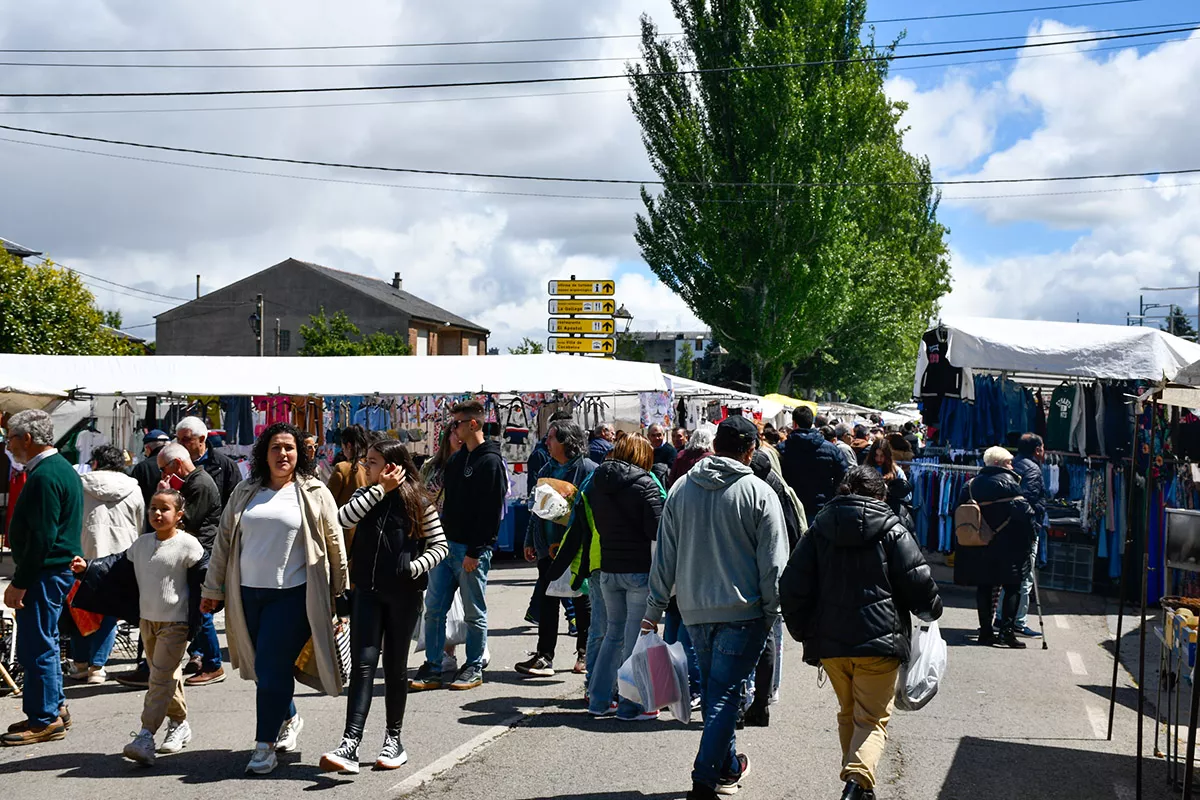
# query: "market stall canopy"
{"points": [[1084, 350], [686, 387], [20, 395], [350, 375], [790, 402], [1183, 391]]}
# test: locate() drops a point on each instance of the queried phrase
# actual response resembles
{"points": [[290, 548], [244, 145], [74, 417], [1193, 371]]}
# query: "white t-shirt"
{"points": [[161, 570], [272, 554]]}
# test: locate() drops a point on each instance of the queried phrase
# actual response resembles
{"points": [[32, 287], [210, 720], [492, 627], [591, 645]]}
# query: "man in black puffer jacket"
{"points": [[812, 466], [1004, 560], [847, 594], [1031, 450]]}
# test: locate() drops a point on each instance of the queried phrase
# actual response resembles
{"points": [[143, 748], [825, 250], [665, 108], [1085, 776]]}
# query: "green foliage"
{"points": [[113, 319], [45, 310], [338, 336], [629, 348], [687, 355], [1179, 324], [829, 255], [527, 347]]}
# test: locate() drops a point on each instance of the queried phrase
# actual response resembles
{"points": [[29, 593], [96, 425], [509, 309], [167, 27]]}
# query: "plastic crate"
{"points": [[1069, 567]]}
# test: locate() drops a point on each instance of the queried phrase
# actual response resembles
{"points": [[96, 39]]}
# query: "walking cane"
{"points": [[1037, 598]]}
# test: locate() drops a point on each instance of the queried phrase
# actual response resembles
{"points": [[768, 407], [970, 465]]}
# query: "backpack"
{"points": [[970, 528]]}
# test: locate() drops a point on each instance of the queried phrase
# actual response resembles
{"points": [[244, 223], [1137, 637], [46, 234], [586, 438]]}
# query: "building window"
{"points": [[285, 341], [473, 346], [422, 343]]}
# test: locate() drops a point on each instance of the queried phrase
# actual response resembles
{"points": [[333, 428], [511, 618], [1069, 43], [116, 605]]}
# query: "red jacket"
{"points": [[684, 463]]}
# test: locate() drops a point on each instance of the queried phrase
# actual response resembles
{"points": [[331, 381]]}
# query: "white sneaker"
{"points": [[141, 749], [487, 657], [179, 735], [79, 671], [449, 663], [96, 675], [263, 762], [289, 733]]}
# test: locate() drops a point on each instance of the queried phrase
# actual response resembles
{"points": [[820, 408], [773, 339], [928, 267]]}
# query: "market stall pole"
{"points": [[1112, 695]]}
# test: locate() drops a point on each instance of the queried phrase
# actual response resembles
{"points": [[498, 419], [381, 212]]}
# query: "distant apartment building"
{"points": [[665, 348]]}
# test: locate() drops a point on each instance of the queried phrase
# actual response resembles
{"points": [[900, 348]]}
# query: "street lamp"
{"points": [[622, 313]]}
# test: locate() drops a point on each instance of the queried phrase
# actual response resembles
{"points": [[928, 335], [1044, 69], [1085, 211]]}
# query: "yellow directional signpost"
{"points": [[604, 326], [606, 307], [573, 287], [597, 319], [562, 344]]}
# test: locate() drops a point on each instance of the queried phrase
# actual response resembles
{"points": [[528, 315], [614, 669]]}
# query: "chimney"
{"points": [[396, 282]]}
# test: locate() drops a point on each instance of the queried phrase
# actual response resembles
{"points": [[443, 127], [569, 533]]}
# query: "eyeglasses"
{"points": [[454, 423]]}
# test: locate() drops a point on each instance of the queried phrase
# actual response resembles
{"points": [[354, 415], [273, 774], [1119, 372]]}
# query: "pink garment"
{"points": [[277, 407]]}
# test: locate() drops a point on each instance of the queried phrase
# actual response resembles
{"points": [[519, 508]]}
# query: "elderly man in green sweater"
{"points": [[44, 534]]}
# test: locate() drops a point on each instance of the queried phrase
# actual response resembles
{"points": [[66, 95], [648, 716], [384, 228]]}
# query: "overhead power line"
{"points": [[591, 180], [530, 40], [521, 61], [583, 78]]}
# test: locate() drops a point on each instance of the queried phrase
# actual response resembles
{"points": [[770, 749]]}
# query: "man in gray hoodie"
{"points": [[722, 546]]}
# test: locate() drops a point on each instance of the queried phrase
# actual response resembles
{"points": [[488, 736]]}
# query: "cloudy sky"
{"points": [[1058, 251]]}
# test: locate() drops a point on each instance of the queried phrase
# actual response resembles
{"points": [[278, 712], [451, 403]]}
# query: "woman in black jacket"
{"points": [[1003, 561], [847, 593], [398, 540], [625, 502]]}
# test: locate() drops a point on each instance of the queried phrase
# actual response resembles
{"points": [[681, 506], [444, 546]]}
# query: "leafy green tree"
{"points": [[1178, 324], [527, 347], [683, 365], [113, 319], [338, 336], [46, 310], [629, 348], [792, 221]]}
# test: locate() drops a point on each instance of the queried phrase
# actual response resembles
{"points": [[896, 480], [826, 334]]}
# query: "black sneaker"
{"points": [[468, 677], [855, 792], [429, 676], [987, 637], [538, 666], [758, 716], [727, 786], [344, 759], [1009, 639], [701, 792], [137, 678], [392, 755]]}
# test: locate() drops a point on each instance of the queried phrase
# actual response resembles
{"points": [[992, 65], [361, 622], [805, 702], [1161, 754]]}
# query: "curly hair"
{"points": [[260, 470], [110, 458]]}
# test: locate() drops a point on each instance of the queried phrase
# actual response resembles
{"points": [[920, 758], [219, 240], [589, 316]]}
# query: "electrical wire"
{"points": [[528, 61], [534, 40], [611, 181], [587, 78]]}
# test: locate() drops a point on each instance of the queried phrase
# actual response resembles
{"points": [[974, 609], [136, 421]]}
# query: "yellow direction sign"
{"points": [[604, 288], [560, 344], [582, 306], [581, 326]]}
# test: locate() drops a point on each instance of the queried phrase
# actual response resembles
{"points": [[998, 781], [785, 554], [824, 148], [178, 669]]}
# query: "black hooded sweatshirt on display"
{"points": [[813, 468], [626, 503], [476, 486], [852, 582]]}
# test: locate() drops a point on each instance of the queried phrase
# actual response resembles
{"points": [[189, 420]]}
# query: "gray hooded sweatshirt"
{"points": [[722, 546]]}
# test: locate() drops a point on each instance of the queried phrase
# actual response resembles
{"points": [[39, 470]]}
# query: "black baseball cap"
{"points": [[735, 434], [155, 436]]}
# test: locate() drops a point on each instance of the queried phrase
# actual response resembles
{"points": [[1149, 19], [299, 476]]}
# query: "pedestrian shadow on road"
{"points": [[1006, 770]]}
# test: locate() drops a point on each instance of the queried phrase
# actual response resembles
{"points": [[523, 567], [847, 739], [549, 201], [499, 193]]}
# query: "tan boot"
{"points": [[35, 735]]}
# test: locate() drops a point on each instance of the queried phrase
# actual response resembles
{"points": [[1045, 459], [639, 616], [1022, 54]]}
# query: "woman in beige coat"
{"points": [[277, 563]]}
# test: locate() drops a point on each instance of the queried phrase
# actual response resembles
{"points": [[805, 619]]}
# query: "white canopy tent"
{"points": [[392, 375], [686, 387], [20, 394], [1065, 349]]}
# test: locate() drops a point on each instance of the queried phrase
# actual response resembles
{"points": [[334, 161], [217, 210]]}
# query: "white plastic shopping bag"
{"points": [[655, 676], [561, 586], [919, 680], [456, 625]]}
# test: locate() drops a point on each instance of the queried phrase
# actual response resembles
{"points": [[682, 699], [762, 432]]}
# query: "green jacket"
{"points": [[47, 520]]}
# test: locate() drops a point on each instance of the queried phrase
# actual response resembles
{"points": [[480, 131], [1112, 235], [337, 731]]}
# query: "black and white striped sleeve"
{"points": [[436, 547], [362, 501]]}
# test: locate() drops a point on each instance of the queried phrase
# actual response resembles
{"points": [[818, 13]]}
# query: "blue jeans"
{"points": [[37, 645], [95, 650], [599, 623], [206, 645], [624, 606], [277, 621], [675, 631], [727, 652], [1027, 587], [443, 580]]}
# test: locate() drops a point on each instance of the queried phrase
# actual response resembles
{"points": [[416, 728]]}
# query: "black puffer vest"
{"points": [[384, 547]]}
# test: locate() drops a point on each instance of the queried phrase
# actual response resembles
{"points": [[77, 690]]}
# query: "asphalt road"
{"points": [[1006, 724]]}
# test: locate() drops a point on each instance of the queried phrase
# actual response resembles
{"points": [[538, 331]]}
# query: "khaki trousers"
{"points": [[866, 690], [165, 644]]}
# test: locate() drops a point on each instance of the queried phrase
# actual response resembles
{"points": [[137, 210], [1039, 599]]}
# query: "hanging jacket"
{"points": [[387, 555], [1003, 560], [853, 581], [626, 503], [813, 468], [113, 513]]}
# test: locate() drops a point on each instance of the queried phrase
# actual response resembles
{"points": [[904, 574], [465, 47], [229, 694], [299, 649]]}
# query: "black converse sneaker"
{"points": [[391, 755], [344, 759]]}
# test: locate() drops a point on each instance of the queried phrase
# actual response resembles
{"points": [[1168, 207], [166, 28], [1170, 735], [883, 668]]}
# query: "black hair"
{"points": [[356, 437], [306, 435], [910, 427], [1028, 443], [802, 418], [730, 443], [570, 436], [415, 498], [820, 420], [562, 414], [109, 458], [864, 481], [471, 408], [259, 469], [828, 433], [175, 496]]}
